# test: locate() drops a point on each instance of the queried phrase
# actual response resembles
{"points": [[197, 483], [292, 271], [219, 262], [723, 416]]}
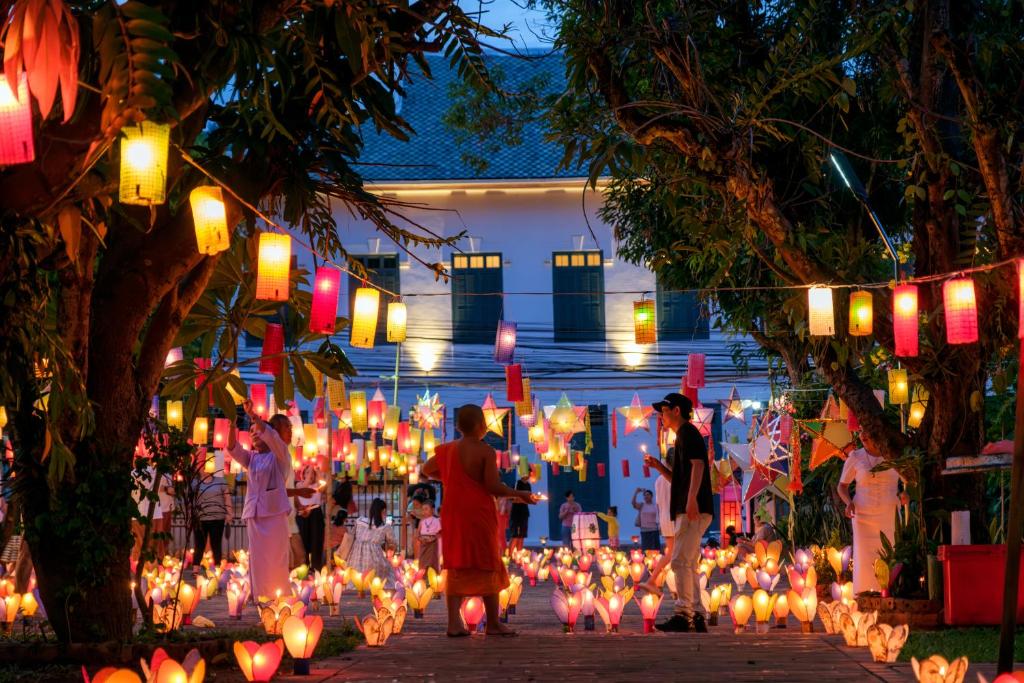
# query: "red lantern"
{"points": [[375, 410], [961, 311], [271, 360], [695, 370], [342, 443], [1020, 290], [514, 382], [625, 467], [600, 469], [905, 320], [647, 471], [323, 313], [15, 124], [258, 396], [221, 431], [554, 469], [402, 437], [692, 394]]}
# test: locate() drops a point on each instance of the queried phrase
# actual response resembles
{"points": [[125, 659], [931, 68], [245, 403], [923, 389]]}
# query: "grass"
{"points": [[977, 644]]}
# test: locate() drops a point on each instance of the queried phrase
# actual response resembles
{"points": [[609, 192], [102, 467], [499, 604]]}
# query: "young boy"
{"points": [[612, 520]]}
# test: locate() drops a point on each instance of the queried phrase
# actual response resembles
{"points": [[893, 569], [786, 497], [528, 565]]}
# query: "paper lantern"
{"points": [[175, 355], [259, 662], [357, 406], [210, 218], [898, 389], [323, 313], [200, 430], [272, 358], [174, 414], [337, 401], [764, 605], [820, 312], [472, 612], [514, 382], [644, 329], [376, 409], [258, 396], [961, 311], [861, 314], [309, 441], [301, 635], [15, 124], [144, 163], [740, 609], [364, 317], [505, 342], [905, 320], [918, 406], [273, 266], [221, 432], [397, 318], [391, 418], [1020, 299], [625, 468], [695, 370]]}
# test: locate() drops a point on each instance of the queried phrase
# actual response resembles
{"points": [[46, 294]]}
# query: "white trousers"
{"points": [[685, 556]]}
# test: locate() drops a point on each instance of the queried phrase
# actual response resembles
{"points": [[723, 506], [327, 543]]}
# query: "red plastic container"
{"points": [[973, 584]]}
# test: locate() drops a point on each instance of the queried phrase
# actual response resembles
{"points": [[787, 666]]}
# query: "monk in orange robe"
{"points": [[469, 520]]}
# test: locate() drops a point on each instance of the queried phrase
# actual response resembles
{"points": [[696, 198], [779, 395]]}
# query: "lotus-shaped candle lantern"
{"points": [[515, 588], [712, 601], [765, 551], [803, 559], [301, 634], [419, 597], [29, 605], [854, 627], [259, 662], [740, 609], [842, 592], [610, 610], [237, 593], [803, 606], [885, 641], [766, 580], [584, 561], [936, 669], [188, 598], [781, 610], [376, 630], [567, 609], [361, 582], [566, 576], [649, 606], [839, 559], [764, 604], [472, 612], [162, 669], [587, 608], [800, 580], [111, 675], [829, 613], [882, 575], [274, 614], [607, 567], [739, 575]]}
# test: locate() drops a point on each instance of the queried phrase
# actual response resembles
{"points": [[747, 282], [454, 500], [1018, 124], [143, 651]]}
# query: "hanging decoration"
{"points": [[905, 320], [918, 406], [702, 419], [323, 312], [16, 145], [961, 311], [175, 412], [861, 314], [365, 307], [831, 434], [524, 407], [357, 406], [505, 342], [644, 327], [565, 418], [615, 429], [396, 323], [376, 409], [514, 382], [273, 266], [337, 401], [1020, 299], [427, 412], [144, 163], [210, 219], [732, 408], [898, 388], [695, 371], [821, 312], [637, 415], [494, 417], [258, 396], [272, 358]]}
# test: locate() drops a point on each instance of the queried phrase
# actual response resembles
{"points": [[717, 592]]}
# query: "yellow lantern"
{"points": [[210, 219], [740, 610], [301, 635], [918, 406], [644, 329], [898, 389], [391, 418], [273, 266], [861, 314], [428, 441], [309, 443], [174, 414], [201, 430], [357, 404], [3, 418], [415, 436], [336, 399], [364, 317], [821, 314], [144, 163], [397, 316], [763, 604]]}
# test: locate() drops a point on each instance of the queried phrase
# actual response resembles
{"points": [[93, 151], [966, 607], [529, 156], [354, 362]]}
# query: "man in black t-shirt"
{"points": [[519, 517], [691, 508]]}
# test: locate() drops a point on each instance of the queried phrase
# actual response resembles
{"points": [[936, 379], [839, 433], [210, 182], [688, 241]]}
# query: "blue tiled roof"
{"points": [[436, 152]]}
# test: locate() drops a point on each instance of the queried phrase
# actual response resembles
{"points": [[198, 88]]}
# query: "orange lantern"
{"points": [[301, 635], [905, 320], [15, 124], [644, 329], [259, 662], [210, 219], [861, 314], [201, 431], [961, 310], [273, 267], [364, 317]]}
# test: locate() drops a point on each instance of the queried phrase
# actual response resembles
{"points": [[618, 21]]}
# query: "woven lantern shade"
{"points": [[861, 314], [391, 417], [323, 312], [905, 320], [397, 316], [524, 406], [364, 317], [309, 441], [961, 310], [210, 219], [271, 359], [821, 313], [16, 145], [505, 342], [175, 411], [336, 399], [899, 390], [918, 406], [200, 431], [1020, 299], [273, 266], [376, 409], [644, 329], [258, 396], [357, 404], [144, 163], [514, 382], [695, 370], [221, 431]]}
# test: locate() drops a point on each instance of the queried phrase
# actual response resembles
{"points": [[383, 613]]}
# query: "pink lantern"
{"points": [[695, 370], [905, 320], [961, 309], [472, 612], [505, 342], [1020, 303], [271, 360], [375, 410], [15, 124], [324, 311], [702, 418]]}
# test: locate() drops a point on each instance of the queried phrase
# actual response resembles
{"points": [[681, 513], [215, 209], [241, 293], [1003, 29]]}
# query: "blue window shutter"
{"points": [[578, 302], [475, 318], [680, 317]]}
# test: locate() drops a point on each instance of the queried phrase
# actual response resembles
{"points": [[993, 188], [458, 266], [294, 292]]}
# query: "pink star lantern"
{"points": [[637, 415], [702, 418], [494, 416], [732, 407]]}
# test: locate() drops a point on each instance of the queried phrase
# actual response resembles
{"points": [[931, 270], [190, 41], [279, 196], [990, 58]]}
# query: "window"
{"points": [[475, 317], [679, 316], [578, 285], [381, 270]]}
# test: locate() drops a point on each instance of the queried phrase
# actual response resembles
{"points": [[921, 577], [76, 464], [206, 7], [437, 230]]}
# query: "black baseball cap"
{"points": [[684, 404]]}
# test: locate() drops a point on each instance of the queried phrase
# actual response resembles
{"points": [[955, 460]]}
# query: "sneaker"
{"points": [[677, 624], [699, 625]]}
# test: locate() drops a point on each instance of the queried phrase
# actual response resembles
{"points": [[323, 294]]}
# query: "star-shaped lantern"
{"points": [[732, 407], [831, 434], [702, 419], [494, 416], [637, 415], [565, 418], [428, 410]]}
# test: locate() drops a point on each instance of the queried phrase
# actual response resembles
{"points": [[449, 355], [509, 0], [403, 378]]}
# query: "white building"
{"points": [[528, 241]]}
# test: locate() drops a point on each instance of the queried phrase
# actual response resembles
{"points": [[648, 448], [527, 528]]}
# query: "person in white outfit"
{"points": [[872, 508], [268, 468]]}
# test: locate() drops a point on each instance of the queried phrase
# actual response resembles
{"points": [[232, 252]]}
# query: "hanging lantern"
{"points": [[898, 389], [221, 432], [961, 311], [173, 356], [861, 314], [273, 267], [821, 314], [695, 370], [524, 406], [144, 163], [174, 414], [309, 441], [376, 409], [210, 219], [397, 316], [364, 317], [200, 430], [271, 358], [1020, 299], [514, 382], [336, 399], [323, 313], [905, 320], [505, 342], [918, 406], [644, 329], [16, 145], [357, 404], [391, 417], [258, 396]]}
